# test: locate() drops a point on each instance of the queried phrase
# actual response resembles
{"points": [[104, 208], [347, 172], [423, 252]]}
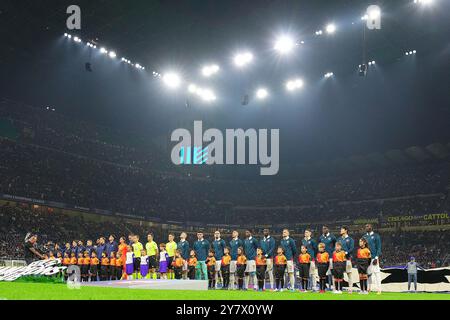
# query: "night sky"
{"points": [[403, 101]]}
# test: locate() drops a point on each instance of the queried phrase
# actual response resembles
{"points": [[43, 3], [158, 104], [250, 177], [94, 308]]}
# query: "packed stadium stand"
{"points": [[62, 178]]}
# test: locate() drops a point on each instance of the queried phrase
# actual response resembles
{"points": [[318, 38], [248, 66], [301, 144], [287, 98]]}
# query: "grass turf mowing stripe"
{"points": [[42, 291]]}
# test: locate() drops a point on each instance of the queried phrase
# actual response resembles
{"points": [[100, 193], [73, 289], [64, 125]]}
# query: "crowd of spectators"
{"points": [[53, 228], [47, 174], [44, 127], [428, 247], [57, 159]]}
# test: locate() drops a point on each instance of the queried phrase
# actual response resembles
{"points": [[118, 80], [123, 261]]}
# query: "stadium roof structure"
{"points": [[155, 32]]}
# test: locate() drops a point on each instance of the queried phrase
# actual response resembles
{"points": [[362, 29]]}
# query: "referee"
{"points": [[31, 253]]}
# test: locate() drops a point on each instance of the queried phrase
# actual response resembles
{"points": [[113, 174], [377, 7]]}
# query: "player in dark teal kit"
{"points": [[235, 243], [374, 271], [218, 246], [201, 248], [311, 247], [330, 241], [290, 251], [250, 246], [183, 246], [348, 245], [268, 247]]}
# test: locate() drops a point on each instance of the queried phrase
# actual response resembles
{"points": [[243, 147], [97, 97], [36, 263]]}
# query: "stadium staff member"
{"points": [[201, 248], [290, 251], [348, 245], [374, 271], [411, 267], [31, 253], [268, 248]]}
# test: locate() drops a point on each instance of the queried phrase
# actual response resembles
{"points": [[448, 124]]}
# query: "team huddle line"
{"points": [[240, 264]]}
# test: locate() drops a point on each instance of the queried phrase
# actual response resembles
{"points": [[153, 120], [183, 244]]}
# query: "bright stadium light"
{"points": [[374, 13], [192, 88], [208, 71], [424, 2], [319, 32], [242, 59], [284, 44], [207, 95], [204, 94], [112, 55], [262, 93], [172, 80], [329, 74], [295, 84], [331, 28], [103, 50]]}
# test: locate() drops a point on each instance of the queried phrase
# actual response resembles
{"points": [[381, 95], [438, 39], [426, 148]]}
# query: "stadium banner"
{"points": [[365, 221], [46, 268], [396, 279], [82, 208], [24, 199], [425, 217]]}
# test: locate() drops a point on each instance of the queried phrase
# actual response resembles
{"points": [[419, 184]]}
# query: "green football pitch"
{"points": [[50, 291]]}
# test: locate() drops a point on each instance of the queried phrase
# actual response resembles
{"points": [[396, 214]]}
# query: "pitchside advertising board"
{"points": [[425, 217]]}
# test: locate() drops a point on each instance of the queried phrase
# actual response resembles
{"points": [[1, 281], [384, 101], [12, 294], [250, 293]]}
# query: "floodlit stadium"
{"points": [[225, 150]]}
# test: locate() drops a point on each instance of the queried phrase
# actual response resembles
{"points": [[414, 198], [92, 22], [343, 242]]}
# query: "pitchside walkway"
{"points": [[151, 284]]}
